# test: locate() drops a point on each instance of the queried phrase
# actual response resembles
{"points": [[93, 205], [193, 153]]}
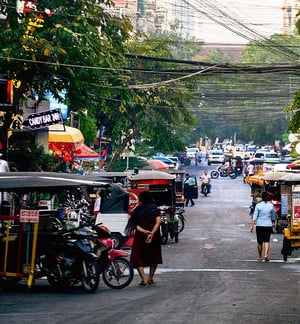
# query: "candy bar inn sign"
{"points": [[43, 119]]}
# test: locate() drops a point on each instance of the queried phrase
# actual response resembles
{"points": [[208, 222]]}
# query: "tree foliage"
{"points": [[63, 45]]}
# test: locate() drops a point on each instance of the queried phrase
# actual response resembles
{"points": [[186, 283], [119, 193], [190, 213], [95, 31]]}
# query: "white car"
{"points": [[191, 151], [176, 162], [267, 156], [215, 156]]}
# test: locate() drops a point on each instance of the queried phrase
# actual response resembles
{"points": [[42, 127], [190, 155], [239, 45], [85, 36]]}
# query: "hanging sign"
{"points": [[43, 119]]}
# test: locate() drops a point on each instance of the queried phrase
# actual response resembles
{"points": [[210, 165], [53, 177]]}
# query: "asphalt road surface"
{"points": [[210, 276]]}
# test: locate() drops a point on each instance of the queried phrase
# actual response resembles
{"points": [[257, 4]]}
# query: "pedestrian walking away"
{"points": [[263, 218], [146, 249], [188, 189]]}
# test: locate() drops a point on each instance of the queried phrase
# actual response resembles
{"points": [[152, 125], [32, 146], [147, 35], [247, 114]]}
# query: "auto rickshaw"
{"points": [[290, 207], [266, 180], [30, 204], [162, 186]]}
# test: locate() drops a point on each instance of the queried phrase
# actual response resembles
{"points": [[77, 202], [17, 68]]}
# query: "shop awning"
{"points": [[85, 153], [64, 138]]}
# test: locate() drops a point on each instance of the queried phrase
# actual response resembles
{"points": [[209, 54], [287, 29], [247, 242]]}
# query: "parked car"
{"points": [[176, 162], [267, 156], [191, 151], [166, 160], [215, 156]]}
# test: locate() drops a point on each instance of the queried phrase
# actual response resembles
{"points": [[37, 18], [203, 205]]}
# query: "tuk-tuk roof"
{"points": [[40, 180], [174, 171], [150, 175], [283, 176]]}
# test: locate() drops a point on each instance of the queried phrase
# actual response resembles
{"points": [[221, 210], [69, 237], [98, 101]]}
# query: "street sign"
{"points": [[29, 216], [43, 119]]}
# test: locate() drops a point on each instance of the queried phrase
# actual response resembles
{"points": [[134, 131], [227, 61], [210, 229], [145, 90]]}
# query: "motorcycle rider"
{"points": [[238, 165], [205, 180], [228, 166], [198, 157]]}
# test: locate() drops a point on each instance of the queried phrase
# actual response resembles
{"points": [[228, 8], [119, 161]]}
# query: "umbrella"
{"points": [[64, 138], [85, 153], [157, 164], [294, 165]]}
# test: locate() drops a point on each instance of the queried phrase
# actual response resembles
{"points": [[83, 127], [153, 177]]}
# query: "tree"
{"points": [[153, 110], [62, 45], [293, 108]]}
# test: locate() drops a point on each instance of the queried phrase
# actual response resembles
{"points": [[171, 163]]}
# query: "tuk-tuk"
{"points": [[30, 202], [179, 185], [162, 186], [290, 207], [266, 180]]}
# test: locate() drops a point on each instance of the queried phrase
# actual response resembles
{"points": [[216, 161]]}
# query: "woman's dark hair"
{"points": [[146, 197], [265, 196]]}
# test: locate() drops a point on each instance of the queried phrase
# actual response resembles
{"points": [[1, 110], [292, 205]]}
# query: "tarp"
{"points": [[64, 138], [294, 165], [157, 164], [85, 153], [42, 180], [116, 202], [150, 175]]}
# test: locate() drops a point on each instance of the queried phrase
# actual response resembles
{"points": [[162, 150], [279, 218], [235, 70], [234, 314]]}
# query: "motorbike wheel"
{"points": [[214, 174], [164, 233], [205, 191], [181, 222], [90, 276], [119, 274], [118, 240], [233, 175]]}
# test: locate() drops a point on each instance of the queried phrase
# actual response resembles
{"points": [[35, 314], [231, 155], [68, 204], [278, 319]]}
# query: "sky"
{"points": [[252, 19]]}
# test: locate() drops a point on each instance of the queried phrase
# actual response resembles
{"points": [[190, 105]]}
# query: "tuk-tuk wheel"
{"points": [[286, 249]]}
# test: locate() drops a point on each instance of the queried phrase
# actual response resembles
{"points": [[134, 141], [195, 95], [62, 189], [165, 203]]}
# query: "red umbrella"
{"points": [[158, 164], [294, 165]]}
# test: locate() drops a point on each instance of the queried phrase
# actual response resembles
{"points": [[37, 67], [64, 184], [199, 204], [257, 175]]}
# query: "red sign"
{"points": [[133, 201], [29, 216]]}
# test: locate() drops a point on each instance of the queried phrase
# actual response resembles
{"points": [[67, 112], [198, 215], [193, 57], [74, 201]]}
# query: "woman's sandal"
{"points": [[259, 258], [267, 259], [150, 282], [142, 283]]}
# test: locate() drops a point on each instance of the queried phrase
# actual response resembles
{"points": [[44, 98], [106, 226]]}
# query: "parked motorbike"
{"points": [[168, 225], [179, 211], [66, 258], [116, 270], [221, 172]]}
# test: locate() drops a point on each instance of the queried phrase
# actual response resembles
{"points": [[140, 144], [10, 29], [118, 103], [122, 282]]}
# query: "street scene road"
{"points": [[210, 276]]}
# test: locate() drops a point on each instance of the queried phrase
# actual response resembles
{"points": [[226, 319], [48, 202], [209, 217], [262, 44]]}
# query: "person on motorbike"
{"points": [[238, 165], [228, 166], [198, 157], [205, 180]]}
